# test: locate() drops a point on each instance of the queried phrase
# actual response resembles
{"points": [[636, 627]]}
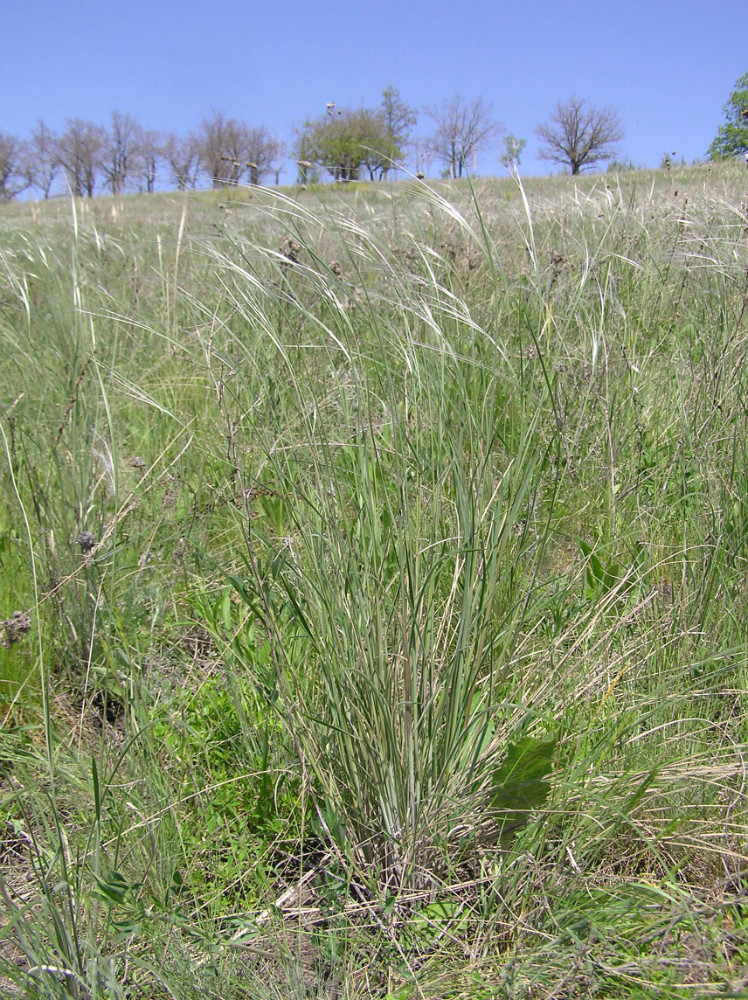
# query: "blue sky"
{"points": [[667, 67]]}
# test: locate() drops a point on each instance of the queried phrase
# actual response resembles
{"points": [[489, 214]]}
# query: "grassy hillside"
{"points": [[373, 613]]}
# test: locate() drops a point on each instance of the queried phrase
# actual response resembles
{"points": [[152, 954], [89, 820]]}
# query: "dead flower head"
{"points": [[290, 250], [14, 627], [86, 540]]}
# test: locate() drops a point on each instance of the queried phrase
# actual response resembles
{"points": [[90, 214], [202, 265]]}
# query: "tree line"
{"points": [[89, 158], [344, 144]]}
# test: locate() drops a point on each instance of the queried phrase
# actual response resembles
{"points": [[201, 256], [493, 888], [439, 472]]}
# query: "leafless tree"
{"points": [[182, 154], [463, 129], [230, 150], [579, 135], [422, 155], [260, 154], [150, 157], [278, 154], [120, 151], [79, 149], [224, 149], [42, 158], [13, 178]]}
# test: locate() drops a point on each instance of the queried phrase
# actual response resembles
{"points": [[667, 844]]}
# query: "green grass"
{"points": [[406, 655]]}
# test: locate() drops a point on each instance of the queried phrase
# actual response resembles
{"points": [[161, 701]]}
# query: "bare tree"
{"points": [[261, 152], [224, 149], [150, 156], [79, 148], [182, 154], [580, 135], [463, 129], [42, 158], [120, 151], [13, 178], [278, 154], [422, 155]]}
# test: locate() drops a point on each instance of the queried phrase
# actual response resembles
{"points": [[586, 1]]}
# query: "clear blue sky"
{"points": [[667, 67]]}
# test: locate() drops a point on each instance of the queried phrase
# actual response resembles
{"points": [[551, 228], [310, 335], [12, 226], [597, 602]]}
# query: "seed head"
{"points": [[86, 541], [14, 627]]}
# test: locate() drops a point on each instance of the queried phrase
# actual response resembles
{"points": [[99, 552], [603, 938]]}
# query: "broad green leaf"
{"points": [[520, 781]]}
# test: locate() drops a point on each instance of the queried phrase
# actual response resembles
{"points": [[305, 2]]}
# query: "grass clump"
{"points": [[380, 565]]}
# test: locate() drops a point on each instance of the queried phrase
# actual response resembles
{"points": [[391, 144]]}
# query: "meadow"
{"points": [[373, 615]]}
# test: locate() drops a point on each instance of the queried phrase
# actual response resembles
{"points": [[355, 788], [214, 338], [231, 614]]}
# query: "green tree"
{"points": [[732, 137], [512, 151], [344, 141], [333, 141], [398, 119]]}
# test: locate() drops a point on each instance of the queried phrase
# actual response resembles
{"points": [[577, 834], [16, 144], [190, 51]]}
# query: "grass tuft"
{"points": [[373, 616]]}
